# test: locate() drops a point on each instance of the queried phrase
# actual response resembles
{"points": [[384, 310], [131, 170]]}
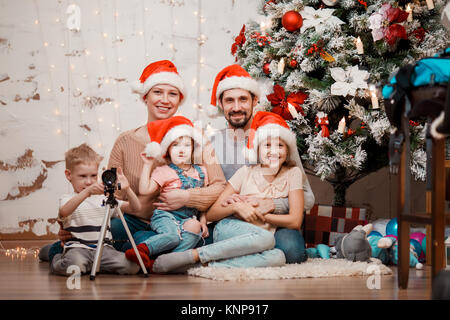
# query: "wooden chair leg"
{"points": [[403, 227], [403, 253], [438, 207]]}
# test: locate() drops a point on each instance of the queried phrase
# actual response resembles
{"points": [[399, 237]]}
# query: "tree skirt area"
{"points": [[312, 268]]}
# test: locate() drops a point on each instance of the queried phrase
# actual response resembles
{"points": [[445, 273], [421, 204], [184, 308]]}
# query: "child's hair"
{"points": [[81, 154]]}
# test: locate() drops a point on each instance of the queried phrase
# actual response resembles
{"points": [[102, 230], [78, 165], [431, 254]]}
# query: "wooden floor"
{"points": [[28, 278]]}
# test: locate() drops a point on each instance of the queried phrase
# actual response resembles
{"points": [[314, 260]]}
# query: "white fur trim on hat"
{"points": [[238, 83], [153, 150], [170, 78], [213, 111]]}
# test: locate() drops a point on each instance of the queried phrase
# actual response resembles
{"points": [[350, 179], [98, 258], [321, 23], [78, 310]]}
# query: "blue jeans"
{"points": [[170, 234], [241, 244], [292, 243]]}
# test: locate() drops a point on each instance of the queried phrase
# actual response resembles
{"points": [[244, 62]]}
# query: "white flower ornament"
{"points": [[320, 19], [348, 80]]}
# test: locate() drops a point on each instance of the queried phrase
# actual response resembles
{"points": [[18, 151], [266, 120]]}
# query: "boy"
{"points": [[82, 213]]}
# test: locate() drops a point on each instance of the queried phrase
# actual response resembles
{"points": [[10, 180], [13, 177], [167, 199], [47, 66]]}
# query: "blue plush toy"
{"points": [[385, 247], [320, 251]]}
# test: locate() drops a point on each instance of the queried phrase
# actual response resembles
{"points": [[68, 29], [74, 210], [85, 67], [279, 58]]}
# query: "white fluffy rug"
{"points": [[312, 268]]}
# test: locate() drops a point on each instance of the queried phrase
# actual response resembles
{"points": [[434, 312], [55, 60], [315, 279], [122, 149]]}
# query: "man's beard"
{"points": [[238, 124]]}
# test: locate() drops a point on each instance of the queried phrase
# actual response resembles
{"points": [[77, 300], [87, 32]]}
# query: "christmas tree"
{"points": [[323, 63]]}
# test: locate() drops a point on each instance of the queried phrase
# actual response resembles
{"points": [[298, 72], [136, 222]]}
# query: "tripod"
{"points": [[111, 203]]}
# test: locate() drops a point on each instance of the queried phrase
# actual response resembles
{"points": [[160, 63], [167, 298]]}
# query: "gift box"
{"points": [[324, 223]]}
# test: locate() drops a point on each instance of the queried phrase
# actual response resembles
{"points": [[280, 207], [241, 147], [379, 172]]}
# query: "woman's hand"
{"points": [[124, 184], [247, 212], [172, 200]]}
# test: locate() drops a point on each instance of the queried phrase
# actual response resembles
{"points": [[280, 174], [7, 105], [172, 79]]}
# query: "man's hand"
{"points": [[172, 200], [247, 212]]}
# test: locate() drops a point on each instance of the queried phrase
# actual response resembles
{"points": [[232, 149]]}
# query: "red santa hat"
{"points": [[159, 72], [163, 132], [268, 124], [231, 77]]}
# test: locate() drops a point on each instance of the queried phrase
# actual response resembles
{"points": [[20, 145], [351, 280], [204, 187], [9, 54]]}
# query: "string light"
{"points": [[20, 252], [50, 90]]}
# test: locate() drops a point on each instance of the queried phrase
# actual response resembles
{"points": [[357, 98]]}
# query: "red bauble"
{"points": [[293, 63], [266, 68], [292, 21]]}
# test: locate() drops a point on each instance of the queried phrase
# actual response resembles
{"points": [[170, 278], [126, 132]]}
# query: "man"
{"points": [[236, 94]]}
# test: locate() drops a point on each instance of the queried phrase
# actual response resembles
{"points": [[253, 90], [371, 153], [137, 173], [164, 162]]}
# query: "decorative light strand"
{"points": [[50, 90]]}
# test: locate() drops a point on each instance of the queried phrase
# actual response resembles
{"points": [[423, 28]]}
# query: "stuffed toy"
{"points": [[353, 246], [386, 249], [384, 245]]}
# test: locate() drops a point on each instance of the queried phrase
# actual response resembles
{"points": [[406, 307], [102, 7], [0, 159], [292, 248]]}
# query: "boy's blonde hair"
{"points": [[81, 154]]}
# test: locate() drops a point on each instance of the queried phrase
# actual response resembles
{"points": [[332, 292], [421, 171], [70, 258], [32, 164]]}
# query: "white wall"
{"points": [[48, 74]]}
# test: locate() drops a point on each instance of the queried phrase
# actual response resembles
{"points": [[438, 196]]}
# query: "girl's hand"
{"points": [[247, 212], [124, 184], [204, 226], [205, 231], [147, 160]]}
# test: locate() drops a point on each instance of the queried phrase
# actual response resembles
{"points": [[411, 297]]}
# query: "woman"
{"points": [[161, 89]]}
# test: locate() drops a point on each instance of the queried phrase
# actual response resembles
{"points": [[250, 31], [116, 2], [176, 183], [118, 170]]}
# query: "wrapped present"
{"points": [[324, 223]]}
